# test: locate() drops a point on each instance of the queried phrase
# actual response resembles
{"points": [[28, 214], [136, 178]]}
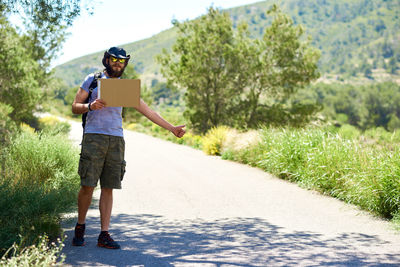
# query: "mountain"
{"points": [[357, 38]]}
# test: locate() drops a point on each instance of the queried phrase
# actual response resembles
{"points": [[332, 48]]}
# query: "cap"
{"points": [[117, 52]]}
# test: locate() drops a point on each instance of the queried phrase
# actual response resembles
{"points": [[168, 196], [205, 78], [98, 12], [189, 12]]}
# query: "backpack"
{"points": [[93, 85]]}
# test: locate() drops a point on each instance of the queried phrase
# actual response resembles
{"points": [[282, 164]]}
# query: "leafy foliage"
{"points": [[21, 77], [38, 179], [278, 65], [205, 66], [230, 78], [363, 106], [26, 56], [45, 23], [354, 36], [39, 183]]}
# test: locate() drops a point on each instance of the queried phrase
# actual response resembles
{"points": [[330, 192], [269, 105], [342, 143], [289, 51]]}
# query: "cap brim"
{"points": [[121, 56]]}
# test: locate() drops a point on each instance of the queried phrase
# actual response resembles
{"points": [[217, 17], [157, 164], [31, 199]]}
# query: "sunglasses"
{"points": [[121, 60]]}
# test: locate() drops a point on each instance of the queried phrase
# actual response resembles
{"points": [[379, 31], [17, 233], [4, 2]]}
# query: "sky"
{"points": [[118, 22]]}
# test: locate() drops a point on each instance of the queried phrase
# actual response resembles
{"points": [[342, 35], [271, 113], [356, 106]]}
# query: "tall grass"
{"points": [[347, 169], [38, 183]]}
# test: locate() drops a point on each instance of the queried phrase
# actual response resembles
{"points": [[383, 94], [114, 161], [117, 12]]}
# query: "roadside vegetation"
{"points": [[38, 179], [38, 184], [356, 170], [361, 168]]}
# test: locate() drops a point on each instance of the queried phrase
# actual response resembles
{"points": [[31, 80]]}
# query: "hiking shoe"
{"points": [[78, 239], [106, 241]]}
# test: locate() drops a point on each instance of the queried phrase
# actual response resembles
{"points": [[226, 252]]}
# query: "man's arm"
{"points": [[143, 108], [79, 106]]}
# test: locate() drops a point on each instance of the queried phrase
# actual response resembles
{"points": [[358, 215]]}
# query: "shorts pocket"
{"points": [[83, 167], [123, 169]]}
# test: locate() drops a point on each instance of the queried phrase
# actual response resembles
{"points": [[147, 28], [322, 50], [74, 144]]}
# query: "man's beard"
{"points": [[112, 73]]}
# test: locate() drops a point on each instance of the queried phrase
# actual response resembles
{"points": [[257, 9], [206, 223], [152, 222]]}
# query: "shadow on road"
{"points": [[149, 240]]}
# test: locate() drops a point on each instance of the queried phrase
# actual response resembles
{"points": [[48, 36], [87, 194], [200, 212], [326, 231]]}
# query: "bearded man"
{"points": [[103, 146]]}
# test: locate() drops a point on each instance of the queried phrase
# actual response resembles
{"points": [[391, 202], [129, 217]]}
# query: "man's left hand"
{"points": [[178, 131]]}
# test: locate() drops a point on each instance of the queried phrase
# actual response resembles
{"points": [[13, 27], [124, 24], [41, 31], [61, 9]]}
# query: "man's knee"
{"points": [[87, 190], [107, 191]]}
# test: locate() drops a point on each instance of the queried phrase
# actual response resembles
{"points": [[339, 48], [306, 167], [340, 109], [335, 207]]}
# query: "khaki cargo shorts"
{"points": [[102, 157]]}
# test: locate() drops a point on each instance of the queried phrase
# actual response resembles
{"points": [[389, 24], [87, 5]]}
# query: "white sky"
{"points": [[117, 22]]}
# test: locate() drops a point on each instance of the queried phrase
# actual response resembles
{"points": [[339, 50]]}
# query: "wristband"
{"points": [[89, 107]]}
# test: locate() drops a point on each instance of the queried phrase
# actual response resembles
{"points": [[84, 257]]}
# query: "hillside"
{"points": [[357, 39]]}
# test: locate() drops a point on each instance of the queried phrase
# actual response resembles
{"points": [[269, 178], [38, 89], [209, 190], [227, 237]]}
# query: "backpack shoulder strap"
{"points": [[92, 85]]}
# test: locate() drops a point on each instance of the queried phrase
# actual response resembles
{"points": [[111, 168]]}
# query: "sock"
{"points": [[78, 224], [103, 232]]}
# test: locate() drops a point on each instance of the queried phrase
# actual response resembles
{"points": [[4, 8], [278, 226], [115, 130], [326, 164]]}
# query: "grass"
{"points": [[38, 183], [347, 169]]}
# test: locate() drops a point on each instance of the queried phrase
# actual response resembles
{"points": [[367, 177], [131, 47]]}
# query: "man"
{"points": [[103, 147]]}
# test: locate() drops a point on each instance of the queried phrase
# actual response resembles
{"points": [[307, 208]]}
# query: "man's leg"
{"points": [[106, 202], [110, 179], [84, 201]]}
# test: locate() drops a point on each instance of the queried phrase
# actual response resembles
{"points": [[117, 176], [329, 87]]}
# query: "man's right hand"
{"points": [[97, 104], [80, 106]]}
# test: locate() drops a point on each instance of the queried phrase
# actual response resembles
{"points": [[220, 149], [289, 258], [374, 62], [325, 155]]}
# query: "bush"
{"points": [[214, 139], [39, 183], [53, 126], [7, 126], [382, 136], [131, 126], [349, 132]]}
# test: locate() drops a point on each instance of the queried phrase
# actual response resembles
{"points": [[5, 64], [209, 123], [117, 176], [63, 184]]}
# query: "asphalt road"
{"points": [[179, 207]]}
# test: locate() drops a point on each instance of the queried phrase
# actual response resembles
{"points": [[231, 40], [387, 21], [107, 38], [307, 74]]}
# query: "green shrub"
{"points": [[382, 136], [39, 183], [7, 125], [349, 132], [131, 126], [342, 118], [53, 126], [214, 139], [195, 141]]}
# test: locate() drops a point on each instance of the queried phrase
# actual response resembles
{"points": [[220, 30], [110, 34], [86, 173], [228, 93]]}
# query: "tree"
{"points": [[45, 23], [164, 94], [203, 62], [282, 64], [234, 80], [392, 65], [25, 57], [383, 104], [20, 75]]}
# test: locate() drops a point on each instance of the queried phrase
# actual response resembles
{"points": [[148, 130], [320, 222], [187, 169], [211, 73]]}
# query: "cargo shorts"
{"points": [[102, 157]]}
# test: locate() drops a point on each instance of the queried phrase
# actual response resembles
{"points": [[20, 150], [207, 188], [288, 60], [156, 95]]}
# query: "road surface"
{"points": [[179, 207]]}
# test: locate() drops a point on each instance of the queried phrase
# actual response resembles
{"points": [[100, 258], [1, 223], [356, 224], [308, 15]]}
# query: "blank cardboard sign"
{"points": [[119, 92]]}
